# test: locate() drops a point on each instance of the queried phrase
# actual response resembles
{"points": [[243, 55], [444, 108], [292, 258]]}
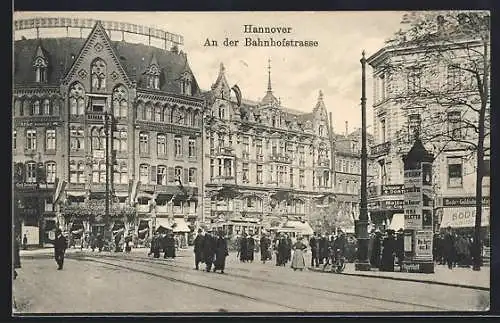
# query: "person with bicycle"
{"points": [[339, 246]]}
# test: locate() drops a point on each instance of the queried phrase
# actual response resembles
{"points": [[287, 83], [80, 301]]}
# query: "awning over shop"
{"points": [[397, 222], [464, 217], [181, 225], [297, 226], [163, 222]]}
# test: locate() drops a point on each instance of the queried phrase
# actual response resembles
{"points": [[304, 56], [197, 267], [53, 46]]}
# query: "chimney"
{"points": [[346, 128], [440, 23]]}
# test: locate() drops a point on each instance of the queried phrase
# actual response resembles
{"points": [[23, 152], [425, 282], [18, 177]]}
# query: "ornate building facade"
{"points": [[417, 89], [264, 164], [76, 98]]}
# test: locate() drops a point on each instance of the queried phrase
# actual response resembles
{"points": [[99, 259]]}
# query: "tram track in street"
{"points": [[182, 281], [177, 268]]}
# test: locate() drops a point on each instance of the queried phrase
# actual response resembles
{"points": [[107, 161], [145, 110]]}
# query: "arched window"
{"points": [[173, 115], [46, 107], [98, 74], [40, 65], [35, 108], [26, 107], [120, 101], [149, 112], [77, 99], [158, 114], [166, 114], [98, 139], [18, 107]]}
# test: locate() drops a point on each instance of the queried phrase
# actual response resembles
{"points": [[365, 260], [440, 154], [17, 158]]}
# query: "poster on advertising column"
{"points": [[413, 199], [423, 245]]}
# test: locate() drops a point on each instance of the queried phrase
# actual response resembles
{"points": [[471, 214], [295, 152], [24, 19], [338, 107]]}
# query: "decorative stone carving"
{"points": [[83, 74], [98, 47], [114, 76]]}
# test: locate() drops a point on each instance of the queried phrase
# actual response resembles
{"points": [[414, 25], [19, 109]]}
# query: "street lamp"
{"points": [[362, 263]]}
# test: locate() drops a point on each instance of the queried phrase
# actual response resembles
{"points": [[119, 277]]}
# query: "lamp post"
{"points": [[362, 263]]}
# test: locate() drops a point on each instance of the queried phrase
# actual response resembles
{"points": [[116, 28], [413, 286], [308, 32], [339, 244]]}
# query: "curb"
{"points": [[406, 279]]}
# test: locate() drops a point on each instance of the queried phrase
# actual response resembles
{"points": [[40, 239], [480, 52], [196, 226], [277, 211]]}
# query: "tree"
{"points": [[454, 44]]}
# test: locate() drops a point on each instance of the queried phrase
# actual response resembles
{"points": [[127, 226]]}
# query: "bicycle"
{"points": [[337, 262]]}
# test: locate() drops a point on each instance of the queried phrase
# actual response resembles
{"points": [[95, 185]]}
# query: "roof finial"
{"points": [[320, 97], [222, 68], [269, 89]]}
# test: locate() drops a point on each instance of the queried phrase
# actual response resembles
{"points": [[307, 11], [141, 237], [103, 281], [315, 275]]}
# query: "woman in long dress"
{"points": [[298, 260]]}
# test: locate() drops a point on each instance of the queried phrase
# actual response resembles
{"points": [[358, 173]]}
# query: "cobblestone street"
{"points": [[109, 282]]}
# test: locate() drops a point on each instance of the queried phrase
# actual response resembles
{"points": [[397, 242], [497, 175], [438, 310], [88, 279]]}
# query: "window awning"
{"points": [[163, 222], [297, 226], [464, 217], [181, 225]]}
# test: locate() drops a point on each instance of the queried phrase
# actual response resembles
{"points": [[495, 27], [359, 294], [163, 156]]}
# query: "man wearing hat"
{"points": [[388, 251], [198, 248], [209, 249], [60, 245]]}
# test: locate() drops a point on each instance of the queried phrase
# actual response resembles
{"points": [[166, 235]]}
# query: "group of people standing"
{"points": [[211, 248], [453, 249], [165, 242], [384, 249], [283, 249], [324, 249], [246, 248]]}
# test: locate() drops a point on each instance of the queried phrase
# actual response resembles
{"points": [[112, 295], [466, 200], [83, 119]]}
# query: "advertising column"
{"points": [[418, 206]]}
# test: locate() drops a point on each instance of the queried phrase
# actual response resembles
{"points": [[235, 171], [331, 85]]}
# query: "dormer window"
{"points": [[186, 84], [40, 66], [153, 77]]}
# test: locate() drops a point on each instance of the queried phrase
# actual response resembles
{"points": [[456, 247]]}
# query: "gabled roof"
{"points": [[134, 58]]}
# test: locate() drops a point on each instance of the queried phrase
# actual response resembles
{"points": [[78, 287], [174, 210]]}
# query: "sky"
{"points": [[297, 74]]}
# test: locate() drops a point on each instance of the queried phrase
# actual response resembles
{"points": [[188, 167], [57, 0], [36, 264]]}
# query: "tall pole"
{"points": [[106, 132], [362, 263]]}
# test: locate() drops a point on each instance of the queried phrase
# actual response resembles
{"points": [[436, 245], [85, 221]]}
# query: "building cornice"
{"points": [[154, 95]]}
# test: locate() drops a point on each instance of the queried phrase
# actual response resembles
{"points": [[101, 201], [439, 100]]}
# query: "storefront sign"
{"points": [[423, 245], [390, 205], [392, 189], [464, 201], [464, 217]]}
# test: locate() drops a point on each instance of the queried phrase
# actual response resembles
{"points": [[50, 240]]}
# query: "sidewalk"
{"points": [[458, 277]]}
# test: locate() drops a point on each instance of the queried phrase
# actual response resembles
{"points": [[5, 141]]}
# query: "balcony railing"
{"points": [[223, 180], [380, 150], [280, 158], [225, 151]]}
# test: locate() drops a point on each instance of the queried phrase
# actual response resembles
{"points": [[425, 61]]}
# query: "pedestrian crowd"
{"points": [[453, 249]]}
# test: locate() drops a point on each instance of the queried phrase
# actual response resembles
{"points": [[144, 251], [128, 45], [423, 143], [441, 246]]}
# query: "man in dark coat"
{"points": [[25, 242], [243, 248], [289, 244], [283, 250], [265, 244], [17, 257], [169, 246], [448, 245], [155, 246], [209, 245], [375, 255], [198, 249], [60, 245], [221, 252], [323, 249], [389, 248], [250, 248], [314, 245], [400, 247]]}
